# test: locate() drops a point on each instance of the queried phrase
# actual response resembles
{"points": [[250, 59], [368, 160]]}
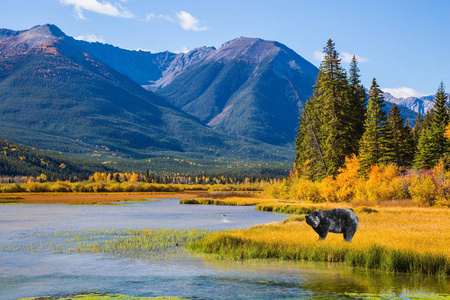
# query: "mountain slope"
{"points": [[241, 88], [142, 67], [53, 92]]}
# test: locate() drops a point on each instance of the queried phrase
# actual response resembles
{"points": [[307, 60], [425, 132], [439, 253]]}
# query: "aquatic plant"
{"points": [[228, 201], [286, 208], [102, 296], [136, 243]]}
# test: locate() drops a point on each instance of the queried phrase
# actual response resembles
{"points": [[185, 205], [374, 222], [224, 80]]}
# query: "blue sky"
{"points": [[404, 44]]}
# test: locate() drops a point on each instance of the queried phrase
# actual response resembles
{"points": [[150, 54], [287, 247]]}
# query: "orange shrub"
{"points": [[305, 190], [385, 183], [423, 190]]}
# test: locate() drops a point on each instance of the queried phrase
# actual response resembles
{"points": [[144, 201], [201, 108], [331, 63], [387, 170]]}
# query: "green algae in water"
{"points": [[97, 296]]}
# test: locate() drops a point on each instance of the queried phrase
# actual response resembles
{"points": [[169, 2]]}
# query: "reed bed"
{"points": [[101, 296], [227, 201], [157, 244], [411, 240], [145, 243]]}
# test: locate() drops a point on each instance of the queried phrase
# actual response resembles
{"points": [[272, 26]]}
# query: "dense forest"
{"points": [[340, 121], [20, 160]]}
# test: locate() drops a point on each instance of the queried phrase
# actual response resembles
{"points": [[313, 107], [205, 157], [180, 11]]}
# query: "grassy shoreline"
{"points": [[393, 236], [87, 198], [393, 239]]}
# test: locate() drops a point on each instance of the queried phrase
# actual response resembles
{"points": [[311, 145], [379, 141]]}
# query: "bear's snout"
{"points": [[311, 221]]}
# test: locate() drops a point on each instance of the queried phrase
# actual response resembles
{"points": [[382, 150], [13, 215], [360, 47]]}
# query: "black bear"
{"points": [[336, 220]]}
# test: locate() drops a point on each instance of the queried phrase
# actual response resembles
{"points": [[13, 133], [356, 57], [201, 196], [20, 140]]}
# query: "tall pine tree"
{"points": [[399, 141], [440, 120], [357, 104], [410, 147], [331, 117], [432, 143], [417, 130], [425, 158], [371, 146]]}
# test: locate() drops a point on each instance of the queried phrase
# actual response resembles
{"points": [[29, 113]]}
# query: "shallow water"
{"points": [[31, 273]]}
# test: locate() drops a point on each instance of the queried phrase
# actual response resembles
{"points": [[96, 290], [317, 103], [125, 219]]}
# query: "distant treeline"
{"points": [[17, 160], [209, 179]]}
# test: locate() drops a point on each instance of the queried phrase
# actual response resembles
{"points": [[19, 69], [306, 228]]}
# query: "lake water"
{"points": [[26, 273]]}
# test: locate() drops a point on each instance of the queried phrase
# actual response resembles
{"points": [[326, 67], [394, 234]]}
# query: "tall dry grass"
{"points": [[412, 240]]}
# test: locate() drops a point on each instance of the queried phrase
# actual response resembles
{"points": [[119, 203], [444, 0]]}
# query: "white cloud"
{"points": [[152, 16], [104, 7], [90, 37], [347, 57], [319, 55], [184, 49], [189, 22], [402, 92]]}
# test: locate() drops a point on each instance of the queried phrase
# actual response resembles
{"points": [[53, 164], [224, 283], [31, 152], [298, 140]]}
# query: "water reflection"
{"points": [[26, 273]]}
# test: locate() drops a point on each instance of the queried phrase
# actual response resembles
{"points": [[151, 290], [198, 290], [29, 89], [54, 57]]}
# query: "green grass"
{"points": [[155, 244], [101, 296], [286, 208], [251, 244]]}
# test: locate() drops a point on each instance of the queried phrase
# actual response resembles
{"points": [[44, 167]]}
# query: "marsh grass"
{"points": [[286, 208], [101, 296], [157, 244], [233, 201], [410, 240], [224, 195]]}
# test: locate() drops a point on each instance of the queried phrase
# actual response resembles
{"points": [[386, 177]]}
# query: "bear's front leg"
{"points": [[323, 231]]}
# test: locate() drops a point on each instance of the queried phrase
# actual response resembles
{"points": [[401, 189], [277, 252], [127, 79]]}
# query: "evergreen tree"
{"points": [[425, 158], [440, 120], [357, 104], [371, 147], [409, 147], [417, 130], [330, 121], [392, 136], [399, 141]]}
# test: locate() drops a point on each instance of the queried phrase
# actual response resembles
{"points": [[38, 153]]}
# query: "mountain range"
{"points": [[73, 96], [417, 104]]}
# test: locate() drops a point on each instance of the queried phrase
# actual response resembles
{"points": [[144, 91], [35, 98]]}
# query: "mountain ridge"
{"points": [[55, 89], [231, 101]]}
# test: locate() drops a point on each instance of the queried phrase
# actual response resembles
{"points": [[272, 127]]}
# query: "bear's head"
{"points": [[313, 219]]}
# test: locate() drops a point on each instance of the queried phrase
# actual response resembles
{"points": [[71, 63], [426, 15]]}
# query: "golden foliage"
{"points": [[382, 183]]}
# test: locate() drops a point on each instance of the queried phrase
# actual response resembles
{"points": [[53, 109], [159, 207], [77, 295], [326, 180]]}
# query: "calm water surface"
{"points": [[43, 273]]}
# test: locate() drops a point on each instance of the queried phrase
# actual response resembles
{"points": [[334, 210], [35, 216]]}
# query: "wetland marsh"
{"points": [[61, 250]]}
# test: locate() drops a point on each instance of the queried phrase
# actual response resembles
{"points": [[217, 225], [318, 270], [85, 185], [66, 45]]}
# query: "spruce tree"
{"points": [[440, 120], [371, 146], [399, 143], [392, 136], [357, 104], [425, 158], [417, 130], [409, 147], [330, 113]]}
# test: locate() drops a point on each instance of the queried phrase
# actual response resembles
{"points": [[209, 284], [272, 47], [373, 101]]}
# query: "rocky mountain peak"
{"points": [[20, 41], [252, 49]]}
